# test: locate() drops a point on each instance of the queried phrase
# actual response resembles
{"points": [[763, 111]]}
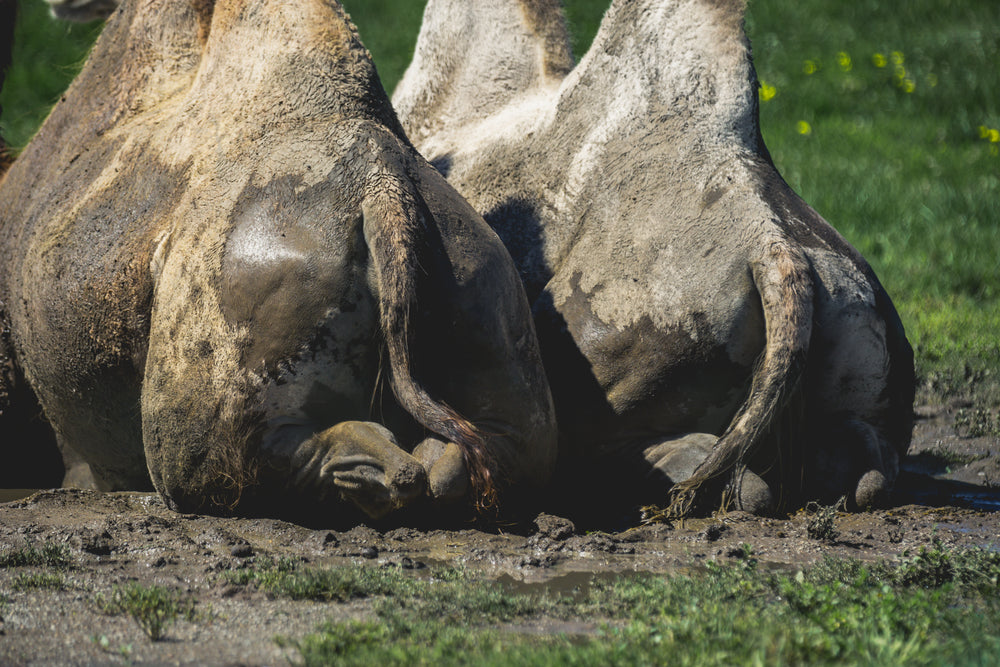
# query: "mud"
{"points": [[947, 494]]}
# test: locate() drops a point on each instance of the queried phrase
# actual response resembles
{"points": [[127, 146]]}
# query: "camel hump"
{"points": [[473, 58], [547, 23]]}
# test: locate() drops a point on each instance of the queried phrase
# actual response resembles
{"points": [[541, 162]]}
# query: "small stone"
{"points": [[554, 527], [369, 552]]}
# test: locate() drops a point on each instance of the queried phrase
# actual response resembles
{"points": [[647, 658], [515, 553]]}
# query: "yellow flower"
{"points": [[932, 80], [879, 60], [994, 136], [767, 92], [897, 58], [844, 60], [803, 128], [908, 85], [984, 132], [809, 67]]}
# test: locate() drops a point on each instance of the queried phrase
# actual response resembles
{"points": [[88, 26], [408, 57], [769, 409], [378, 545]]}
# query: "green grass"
{"points": [[902, 158], [47, 555], [47, 55], [936, 606], [39, 580], [153, 608], [901, 151]]}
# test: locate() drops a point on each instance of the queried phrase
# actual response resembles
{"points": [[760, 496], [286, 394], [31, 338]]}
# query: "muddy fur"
{"points": [[678, 285], [220, 234]]}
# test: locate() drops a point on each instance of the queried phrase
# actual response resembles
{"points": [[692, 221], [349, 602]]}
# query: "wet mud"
{"points": [[948, 494]]}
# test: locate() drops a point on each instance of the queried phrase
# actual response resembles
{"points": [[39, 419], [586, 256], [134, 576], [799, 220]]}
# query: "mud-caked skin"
{"points": [[679, 287], [228, 275]]}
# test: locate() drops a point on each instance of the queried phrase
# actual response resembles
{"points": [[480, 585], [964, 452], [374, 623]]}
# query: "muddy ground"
{"points": [[949, 492]]}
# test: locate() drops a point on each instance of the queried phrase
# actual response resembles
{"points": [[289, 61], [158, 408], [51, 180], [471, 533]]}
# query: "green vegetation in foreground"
{"points": [[884, 116], [154, 608], [48, 555], [933, 607], [37, 580]]}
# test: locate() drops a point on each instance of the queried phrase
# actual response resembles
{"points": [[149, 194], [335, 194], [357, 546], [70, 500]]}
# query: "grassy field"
{"points": [[884, 116], [936, 606]]}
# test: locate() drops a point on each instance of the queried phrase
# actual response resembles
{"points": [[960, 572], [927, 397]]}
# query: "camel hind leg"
{"points": [[853, 460], [674, 460]]}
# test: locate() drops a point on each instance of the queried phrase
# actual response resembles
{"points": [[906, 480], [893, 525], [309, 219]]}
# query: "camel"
{"points": [[704, 331], [220, 253]]}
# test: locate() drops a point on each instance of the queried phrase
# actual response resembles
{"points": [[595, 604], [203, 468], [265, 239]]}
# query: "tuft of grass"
{"points": [[915, 611], [43, 580], [122, 650], [821, 525], [154, 608], [445, 596], [287, 578], [48, 555]]}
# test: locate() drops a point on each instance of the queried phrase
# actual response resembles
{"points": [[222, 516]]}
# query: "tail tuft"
{"points": [[784, 282]]}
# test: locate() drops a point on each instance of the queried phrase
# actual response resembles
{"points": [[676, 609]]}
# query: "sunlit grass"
{"points": [[901, 101], [936, 606]]}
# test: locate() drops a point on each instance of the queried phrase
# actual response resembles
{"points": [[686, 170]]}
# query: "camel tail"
{"points": [[393, 221], [785, 284]]}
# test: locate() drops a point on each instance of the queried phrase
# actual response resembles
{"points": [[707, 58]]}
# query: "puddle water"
{"points": [[572, 584], [981, 501], [10, 495]]}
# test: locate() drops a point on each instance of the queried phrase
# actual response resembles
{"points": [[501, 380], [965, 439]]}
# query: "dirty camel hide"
{"points": [[703, 329], [219, 253]]}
